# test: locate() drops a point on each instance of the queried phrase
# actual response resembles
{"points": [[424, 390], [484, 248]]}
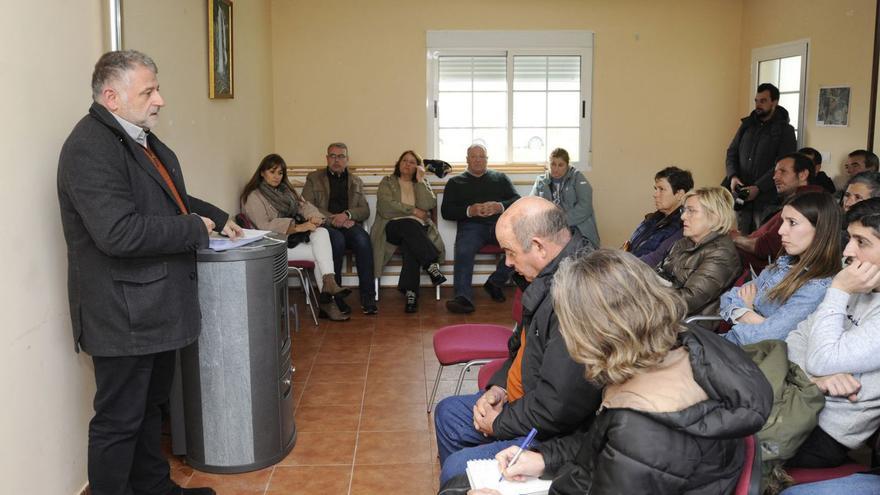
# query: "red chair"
{"points": [[472, 344], [749, 482], [805, 475], [487, 371]]}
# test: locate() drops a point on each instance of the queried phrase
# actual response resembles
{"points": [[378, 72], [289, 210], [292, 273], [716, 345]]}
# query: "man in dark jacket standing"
{"points": [[539, 386], [762, 137], [131, 232]]}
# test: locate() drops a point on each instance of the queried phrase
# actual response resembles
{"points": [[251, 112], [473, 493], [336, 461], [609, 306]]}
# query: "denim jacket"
{"points": [[780, 318]]}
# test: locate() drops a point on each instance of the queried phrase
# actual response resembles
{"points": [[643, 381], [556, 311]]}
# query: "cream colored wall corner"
{"points": [[48, 50], [664, 89], [841, 34]]}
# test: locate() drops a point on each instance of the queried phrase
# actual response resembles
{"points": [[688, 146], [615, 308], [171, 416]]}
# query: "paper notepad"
{"points": [[484, 473]]}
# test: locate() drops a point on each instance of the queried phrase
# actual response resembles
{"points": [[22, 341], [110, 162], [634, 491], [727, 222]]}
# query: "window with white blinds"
{"points": [[520, 103]]}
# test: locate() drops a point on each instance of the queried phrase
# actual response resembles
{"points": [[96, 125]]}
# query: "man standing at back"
{"points": [[763, 136], [539, 386], [339, 194], [474, 199], [132, 232]]}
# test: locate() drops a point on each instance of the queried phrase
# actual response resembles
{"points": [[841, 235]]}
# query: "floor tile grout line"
{"points": [[357, 435], [269, 481]]}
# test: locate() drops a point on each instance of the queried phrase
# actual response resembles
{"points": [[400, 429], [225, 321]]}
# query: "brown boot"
{"points": [[332, 311], [331, 288]]}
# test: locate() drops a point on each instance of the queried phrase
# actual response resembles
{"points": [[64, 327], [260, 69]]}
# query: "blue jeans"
{"points": [[855, 484], [469, 238], [458, 441], [356, 239]]}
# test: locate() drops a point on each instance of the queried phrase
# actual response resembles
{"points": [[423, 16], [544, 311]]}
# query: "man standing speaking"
{"points": [[132, 232]]}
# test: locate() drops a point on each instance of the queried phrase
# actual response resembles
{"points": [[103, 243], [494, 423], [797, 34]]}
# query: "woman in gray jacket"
{"points": [[568, 188]]}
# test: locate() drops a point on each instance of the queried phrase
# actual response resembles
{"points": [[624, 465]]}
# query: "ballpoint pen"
{"points": [[525, 445]]}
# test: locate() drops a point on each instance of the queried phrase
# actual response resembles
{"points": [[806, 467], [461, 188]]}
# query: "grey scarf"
{"points": [[281, 198]]}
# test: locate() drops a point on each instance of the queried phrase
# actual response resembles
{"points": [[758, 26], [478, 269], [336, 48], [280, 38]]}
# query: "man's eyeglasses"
{"points": [[336, 157]]}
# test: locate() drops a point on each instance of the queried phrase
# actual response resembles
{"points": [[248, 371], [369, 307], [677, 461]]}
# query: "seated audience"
{"points": [[860, 187], [654, 237], [838, 346], [819, 178], [539, 386], [271, 203], [677, 403], [339, 195], [474, 199], [403, 204], [791, 176], [704, 263], [567, 187], [859, 161], [786, 292]]}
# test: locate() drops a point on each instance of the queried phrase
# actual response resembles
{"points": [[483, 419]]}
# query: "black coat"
{"points": [[698, 450], [132, 280], [557, 398], [756, 145]]}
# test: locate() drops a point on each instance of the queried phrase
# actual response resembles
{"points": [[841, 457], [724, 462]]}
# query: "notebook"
{"points": [[484, 473]]}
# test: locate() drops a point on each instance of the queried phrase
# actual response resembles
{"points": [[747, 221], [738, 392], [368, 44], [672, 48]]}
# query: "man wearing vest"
{"points": [[339, 194], [132, 232], [539, 386]]}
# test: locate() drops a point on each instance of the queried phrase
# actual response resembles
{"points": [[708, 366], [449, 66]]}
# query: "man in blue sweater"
{"points": [[475, 198]]}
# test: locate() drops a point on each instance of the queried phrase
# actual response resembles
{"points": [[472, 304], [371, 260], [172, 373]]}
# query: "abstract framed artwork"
{"points": [[220, 54], [833, 108]]}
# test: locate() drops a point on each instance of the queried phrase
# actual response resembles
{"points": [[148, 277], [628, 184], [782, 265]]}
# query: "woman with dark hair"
{"points": [[653, 238], [271, 203], [786, 292], [567, 187], [403, 201], [677, 401]]}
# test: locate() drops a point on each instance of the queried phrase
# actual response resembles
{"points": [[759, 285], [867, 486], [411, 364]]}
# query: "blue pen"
{"points": [[524, 446]]}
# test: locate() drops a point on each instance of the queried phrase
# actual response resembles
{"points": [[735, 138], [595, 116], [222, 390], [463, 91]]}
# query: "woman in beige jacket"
{"points": [[403, 203], [271, 203]]}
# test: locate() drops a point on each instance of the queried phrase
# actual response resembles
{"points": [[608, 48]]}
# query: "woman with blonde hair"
{"points": [[786, 292], [704, 263], [677, 402]]}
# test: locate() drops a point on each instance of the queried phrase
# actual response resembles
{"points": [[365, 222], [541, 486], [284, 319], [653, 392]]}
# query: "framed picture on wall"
{"points": [[833, 107], [220, 49]]}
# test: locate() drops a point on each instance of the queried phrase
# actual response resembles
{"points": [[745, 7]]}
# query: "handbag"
{"points": [[297, 238]]}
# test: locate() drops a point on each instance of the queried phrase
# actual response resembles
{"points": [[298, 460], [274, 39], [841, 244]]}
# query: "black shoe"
{"points": [[412, 302], [204, 490], [368, 304], [437, 277], [494, 292], [342, 305], [459, 305]]}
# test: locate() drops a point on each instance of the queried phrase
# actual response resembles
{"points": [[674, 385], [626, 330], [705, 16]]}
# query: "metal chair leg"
{"points": [[464, 369], [436, 384], [306, 290], [377, 288]]}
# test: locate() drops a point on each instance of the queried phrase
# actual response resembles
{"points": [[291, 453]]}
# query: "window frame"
{"points": [[799, 47], [510, 44]]}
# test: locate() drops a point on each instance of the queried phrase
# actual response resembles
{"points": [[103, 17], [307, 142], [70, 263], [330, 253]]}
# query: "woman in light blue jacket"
{"points": [[568, 188], [785, 293]]}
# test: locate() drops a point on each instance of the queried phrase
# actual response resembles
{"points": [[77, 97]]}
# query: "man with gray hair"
{"points": [[132, 233], [474, 199], [539, 386]]}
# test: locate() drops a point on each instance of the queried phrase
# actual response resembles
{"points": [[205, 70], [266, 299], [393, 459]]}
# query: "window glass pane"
{"points": [[564, 138], [790, 74], [495, 141], [564, 73], [529, 145], [563, 109], [490, 109], [529, 73], [529, 109], [490, 74], [455, 109], [768, 72], [455, 73], [454, 143], [791, 102]]}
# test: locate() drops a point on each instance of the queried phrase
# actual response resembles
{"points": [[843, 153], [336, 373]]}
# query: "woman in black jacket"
{"points": [[677, 403]]}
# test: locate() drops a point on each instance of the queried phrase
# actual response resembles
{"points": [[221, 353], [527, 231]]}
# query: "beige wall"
{"points": [[48, 50], [841, 34]]}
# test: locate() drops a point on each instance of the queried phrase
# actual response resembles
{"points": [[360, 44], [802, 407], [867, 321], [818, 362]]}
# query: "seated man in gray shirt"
{"points": [[839, 347]]}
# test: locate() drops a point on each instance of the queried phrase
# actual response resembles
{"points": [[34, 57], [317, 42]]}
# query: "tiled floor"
{"points": [[361, 392]]}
